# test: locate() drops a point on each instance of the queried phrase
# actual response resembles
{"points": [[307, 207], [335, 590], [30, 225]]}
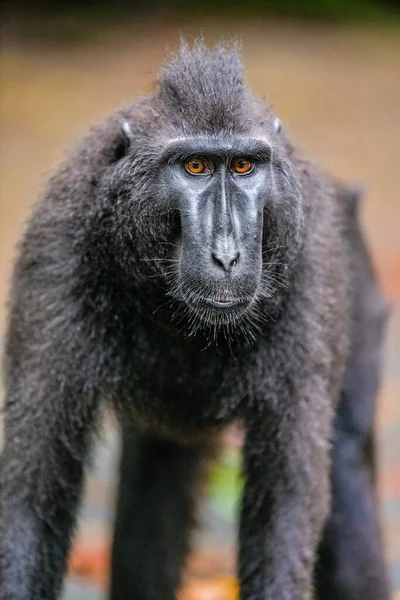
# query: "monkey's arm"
{"points": [[55, 360], [286, 463], [51, 406], [284, 506]]}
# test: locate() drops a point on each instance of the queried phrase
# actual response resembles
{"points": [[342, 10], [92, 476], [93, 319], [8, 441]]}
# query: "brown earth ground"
{"points": [[337, 89]]}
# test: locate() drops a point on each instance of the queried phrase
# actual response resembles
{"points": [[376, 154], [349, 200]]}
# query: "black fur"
{"points": [[115, 299]]}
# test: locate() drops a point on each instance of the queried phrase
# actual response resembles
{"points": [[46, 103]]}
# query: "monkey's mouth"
{"points": [[223, 302]]}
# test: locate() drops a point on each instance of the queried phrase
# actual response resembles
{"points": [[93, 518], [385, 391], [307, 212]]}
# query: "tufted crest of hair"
{"points": [[204, 88]]}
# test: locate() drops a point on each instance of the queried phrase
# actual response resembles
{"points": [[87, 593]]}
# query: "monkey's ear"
{"points": [[125, 141], [277, 125], [126, 130]]}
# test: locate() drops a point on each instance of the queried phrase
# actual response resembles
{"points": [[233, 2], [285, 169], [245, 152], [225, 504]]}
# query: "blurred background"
{"points": [[331, 69]]}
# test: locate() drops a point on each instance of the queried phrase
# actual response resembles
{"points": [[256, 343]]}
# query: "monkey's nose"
{"points": [[225, 260]]}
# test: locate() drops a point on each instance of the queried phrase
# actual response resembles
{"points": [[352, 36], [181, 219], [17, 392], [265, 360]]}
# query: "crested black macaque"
{"points": [[189, 267]]}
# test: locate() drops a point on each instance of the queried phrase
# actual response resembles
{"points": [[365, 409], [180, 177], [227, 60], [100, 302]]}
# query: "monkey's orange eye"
{"points": [[196, 166], [242, 166]]}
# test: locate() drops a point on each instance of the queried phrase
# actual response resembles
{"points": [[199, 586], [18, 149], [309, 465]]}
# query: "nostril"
{"points": [[225, 263], [234, 261], [218, 261]]}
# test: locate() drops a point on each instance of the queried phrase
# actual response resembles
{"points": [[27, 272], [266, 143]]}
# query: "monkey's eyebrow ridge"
{"points": [[177, 148]]}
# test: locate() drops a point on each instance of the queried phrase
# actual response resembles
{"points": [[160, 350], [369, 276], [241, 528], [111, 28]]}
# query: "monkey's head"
{"points": [[218, 195]]}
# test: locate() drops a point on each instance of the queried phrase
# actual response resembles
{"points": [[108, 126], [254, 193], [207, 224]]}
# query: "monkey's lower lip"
{"points": [[222, 302]]}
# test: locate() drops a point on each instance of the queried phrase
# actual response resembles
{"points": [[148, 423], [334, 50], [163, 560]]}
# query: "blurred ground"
{"points": [[337, 89]]}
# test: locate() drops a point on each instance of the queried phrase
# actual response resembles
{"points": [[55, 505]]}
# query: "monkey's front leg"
{"points": [[285, 503]]}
